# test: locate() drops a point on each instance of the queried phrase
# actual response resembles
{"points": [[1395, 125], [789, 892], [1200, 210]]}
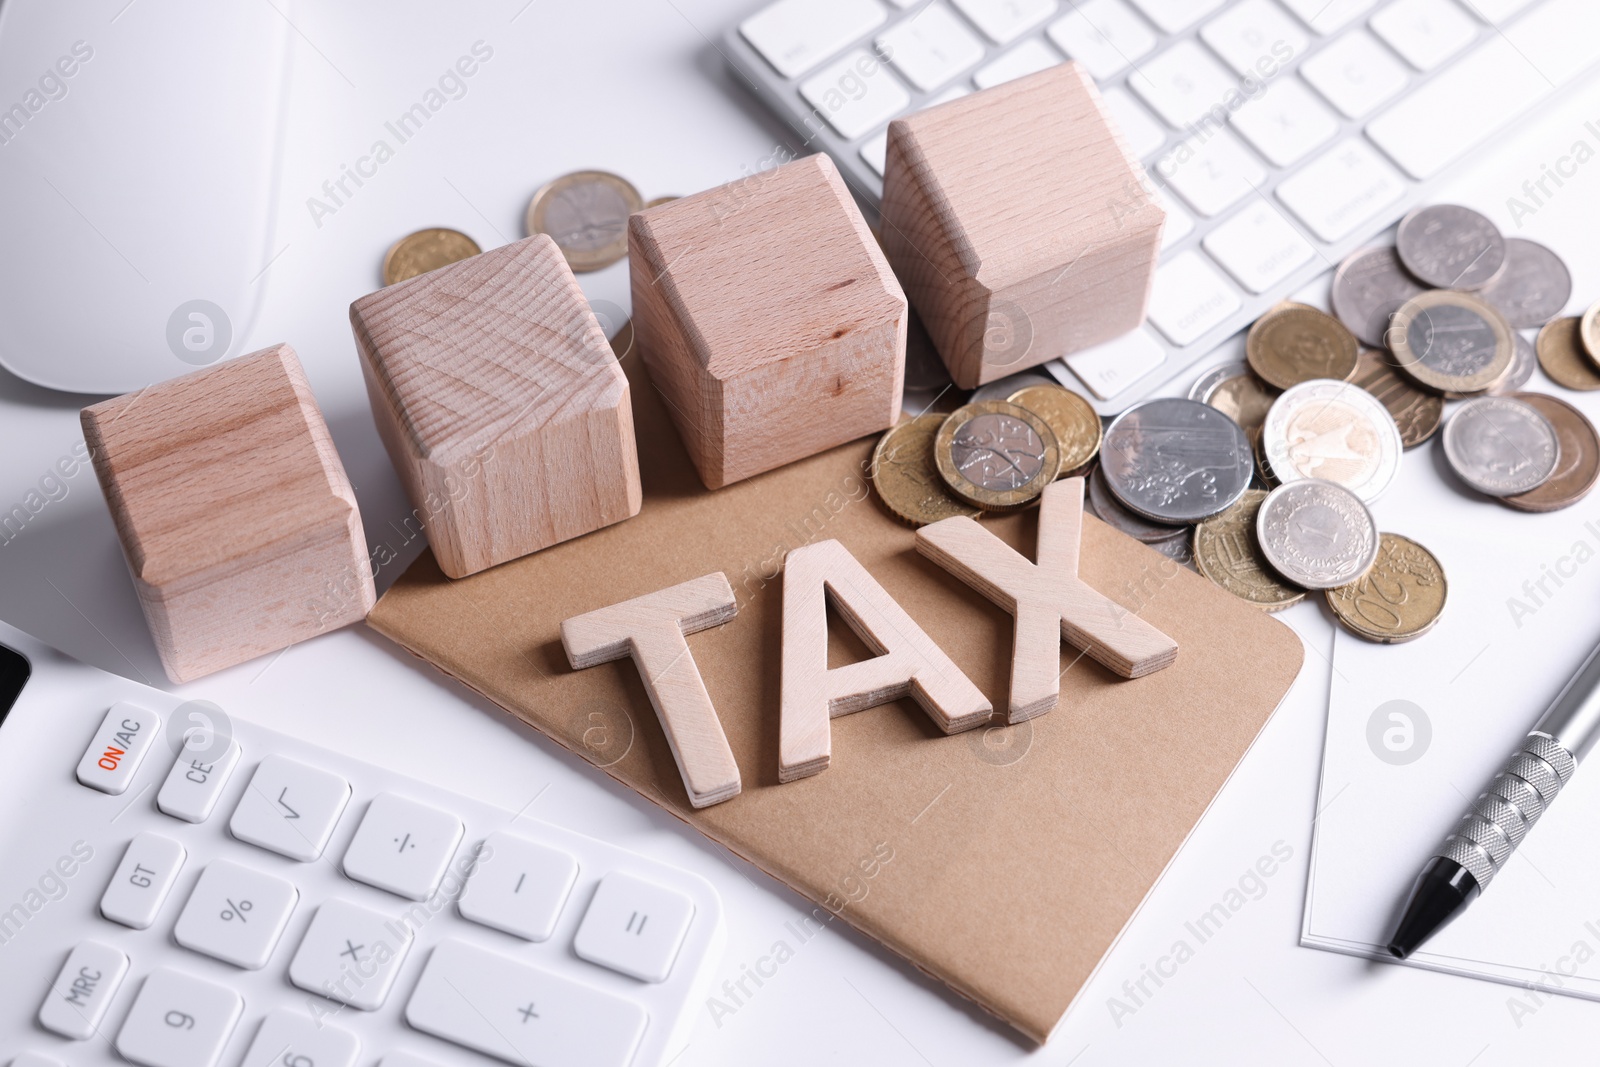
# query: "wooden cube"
{"points": [[501, 404], [234, 512], [769, 319], [1019, 223]]}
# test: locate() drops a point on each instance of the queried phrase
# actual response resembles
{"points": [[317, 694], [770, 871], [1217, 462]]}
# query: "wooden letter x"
{"points": [[907, 660], [652, 629], [1048, 600]]}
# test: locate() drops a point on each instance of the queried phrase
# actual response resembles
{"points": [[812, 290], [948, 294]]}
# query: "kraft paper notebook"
{"points": [[1019, 853]]}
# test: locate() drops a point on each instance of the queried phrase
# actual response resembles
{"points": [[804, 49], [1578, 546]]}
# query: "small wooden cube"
{"points": [[234, 512], [1019, 223], [501, 404], [769, 319]]}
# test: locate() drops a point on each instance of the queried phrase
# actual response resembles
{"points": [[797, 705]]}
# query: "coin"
{"points": [[1368, 288], [586, 214], [1176, 461], [1336, 431], [426, 250], [658, 201], [1263, 472], [1452, 342], [1001, 388], [1227, 550], [1399, 599], [1234, 390], [1293, 343], [906, 478], [1316, 534], [1114, 514], [1416, 414], [1534, 287], [1562, 356], [996, 455], [1501, 446], [1523, 360], [1179, 549], [1579, 466], [1589, 332], [1448, 246], [1070, 418]]}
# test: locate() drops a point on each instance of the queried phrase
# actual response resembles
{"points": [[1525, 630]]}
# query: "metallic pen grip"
{"points": [[1497, 821]]}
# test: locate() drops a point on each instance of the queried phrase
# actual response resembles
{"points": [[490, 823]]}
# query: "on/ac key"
{"points": [[119, 746]]}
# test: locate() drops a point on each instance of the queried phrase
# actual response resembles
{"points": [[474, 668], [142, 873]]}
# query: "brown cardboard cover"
{"points": [[1018, 853]]}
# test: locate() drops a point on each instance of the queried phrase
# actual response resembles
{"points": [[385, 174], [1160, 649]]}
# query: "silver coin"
{"points": [[1501, 446], [1176, 461], [1534, 287], [1368, 288], [1522, 363], [1115, 515], [1207, 383], [1001, 452], [1448, 246], [1335, 431], [1179, 549], [1005, 388], [1316, 534]]}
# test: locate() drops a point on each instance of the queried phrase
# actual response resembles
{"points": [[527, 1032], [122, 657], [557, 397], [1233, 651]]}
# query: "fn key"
{"points": [[634, 926]]}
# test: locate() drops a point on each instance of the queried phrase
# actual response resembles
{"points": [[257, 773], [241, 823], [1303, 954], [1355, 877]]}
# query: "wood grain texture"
{"points": [[1047, 600], [500, 403], [1019, 223], [651, 629], [769, 319], [237, 520], [906, 662]]}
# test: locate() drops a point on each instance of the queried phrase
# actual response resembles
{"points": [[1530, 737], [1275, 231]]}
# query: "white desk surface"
{"points": [[639, 88]]}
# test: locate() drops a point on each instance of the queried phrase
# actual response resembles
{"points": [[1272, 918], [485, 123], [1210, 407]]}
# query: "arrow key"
{"points": [[290, 808]]}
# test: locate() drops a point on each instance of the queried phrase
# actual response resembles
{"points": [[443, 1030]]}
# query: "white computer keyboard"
{"points": [[1281, 135], [269, 903]]}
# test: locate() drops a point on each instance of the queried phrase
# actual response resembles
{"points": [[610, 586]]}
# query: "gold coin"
{"points": [[996, 455], [1451, 342], [1589, 332], [1562, 356], [1578, 465], [1070, 418], [658, 201], [906, 478], [586, 214], [1417, 414], [426, 250], [1245, 399], [1398, 599], [1228, 551], [1293, 343]]}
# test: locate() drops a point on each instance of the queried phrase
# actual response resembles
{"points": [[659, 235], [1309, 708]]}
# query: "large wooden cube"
{"points": [[1019, 223], [234, 512], [501, 404], [769, 319]]}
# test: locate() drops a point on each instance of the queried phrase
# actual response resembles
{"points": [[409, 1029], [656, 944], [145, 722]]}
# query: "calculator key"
{"points": [[1029, 57], [930, 47], [518, 887], [1259, 247], [36, 1059], [1335, 194], [1003, 21], [521, 1014], [1212, 171], [196, 781], [78, 997], [1255, 38], [351, 954], [403, 846], [1356, 74], [1425, 32], [855, 93], [178, 1021], [1103, 35], [1286, 123], [290, 808], [1188, 298], [405, 1059], [1109, 368], [1183, 84], [1175, 15], [796, 35], [143, 880], [1326, 16], [634, 927], [236, 914], [289, 1039], [1142, 133], [119, 746]]}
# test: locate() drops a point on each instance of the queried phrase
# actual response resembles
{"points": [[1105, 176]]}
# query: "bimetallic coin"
{"points": [[1563, 358], [1579, 466], [1452, 342], [1293, 343], [1114, 514], [1399, 599], [1417, 415], [996, 455], [1516, 376], [906, 477], [426, 250], [1070, 418], [586, 214], [1176, 461], [1001, 388], [1368, 288], [1447, 246], [1316, 534], [1533, 288], [1228, 551], [1501, 446], [1335, 431], [1589, 332], [1234, 390]]}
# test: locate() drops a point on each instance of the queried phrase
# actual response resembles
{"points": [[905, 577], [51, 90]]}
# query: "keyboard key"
{"points": [[1029, 57], [289, 1039], [1327, 16], [196, 781], [78, 997], [1175, 15], [1259, 247], [403, 846], [1189, 298], [1003, 21], [1212, 171], [1356, 74], [1286, 123], [1425, 32], [178, 1021], [1335, 195], [875, 150], [1180, 223], [119, 746], [796, 35], [1255, 38], [1143, 134], [1109, 368], [521, 1014], [290, 808], [236, 914], [1496, 12], [930, 47], [351, 954], [634, 927], [518, 887], [1103, 35], [143, 880], [1183, 84], [855, 93]]}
